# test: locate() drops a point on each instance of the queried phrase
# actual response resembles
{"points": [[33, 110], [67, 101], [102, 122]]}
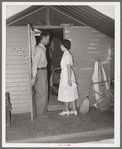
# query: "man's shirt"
{"points": [[39, 58]]}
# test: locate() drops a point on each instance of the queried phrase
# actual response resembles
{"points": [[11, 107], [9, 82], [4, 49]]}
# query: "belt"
{"points": [[41, 68]]}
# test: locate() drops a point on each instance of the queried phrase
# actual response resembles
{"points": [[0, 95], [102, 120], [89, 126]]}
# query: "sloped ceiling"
{"points": [[76, 15]]}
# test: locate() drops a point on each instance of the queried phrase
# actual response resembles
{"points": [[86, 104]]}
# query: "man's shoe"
{"points": [[43, 116], [48, 112]]}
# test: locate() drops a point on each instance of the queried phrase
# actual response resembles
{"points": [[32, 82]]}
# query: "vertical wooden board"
{"points": [[31, 44], [112, 60]]}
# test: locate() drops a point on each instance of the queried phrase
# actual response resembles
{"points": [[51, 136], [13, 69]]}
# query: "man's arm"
{"points": [[36, 59], [35, 64]]}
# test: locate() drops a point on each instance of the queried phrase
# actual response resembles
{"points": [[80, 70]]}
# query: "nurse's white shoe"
{"points": [[64, 113], [73, 112]]}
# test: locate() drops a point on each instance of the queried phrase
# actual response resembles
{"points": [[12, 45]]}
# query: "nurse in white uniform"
{"points": [[68, 91]]}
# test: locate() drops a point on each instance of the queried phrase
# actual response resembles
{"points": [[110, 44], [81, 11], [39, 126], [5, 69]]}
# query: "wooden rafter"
{"points": [[24, 16], [47, 16]]}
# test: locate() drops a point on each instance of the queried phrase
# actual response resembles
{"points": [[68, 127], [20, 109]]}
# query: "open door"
{"points": [[32, 44]]}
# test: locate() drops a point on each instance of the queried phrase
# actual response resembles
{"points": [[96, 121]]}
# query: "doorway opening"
{"points": [[54, 55]]}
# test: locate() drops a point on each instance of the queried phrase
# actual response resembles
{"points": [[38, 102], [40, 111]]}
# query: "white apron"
{"points": [[66, 94]]}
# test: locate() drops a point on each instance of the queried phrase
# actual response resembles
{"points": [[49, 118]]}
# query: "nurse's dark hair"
{"points": [[66, 43], [44, 34]]}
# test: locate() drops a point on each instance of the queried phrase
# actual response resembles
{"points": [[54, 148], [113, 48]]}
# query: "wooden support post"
{"points": [[8, 109], [47, 16]]}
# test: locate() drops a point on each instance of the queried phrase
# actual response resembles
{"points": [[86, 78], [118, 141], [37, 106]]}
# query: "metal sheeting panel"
{"points": [[17, 68], [87, 46]]}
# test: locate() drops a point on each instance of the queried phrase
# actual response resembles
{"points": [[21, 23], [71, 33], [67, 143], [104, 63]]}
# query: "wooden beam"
{"points": [[68, 16], [48, 27], [18, 19], [47, 16]]}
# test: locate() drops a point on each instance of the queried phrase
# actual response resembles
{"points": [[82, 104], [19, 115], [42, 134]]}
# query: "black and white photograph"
{"points": [[61, 74]]}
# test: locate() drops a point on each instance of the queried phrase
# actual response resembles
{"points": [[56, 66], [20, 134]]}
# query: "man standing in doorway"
{"points": [[40, 76]]}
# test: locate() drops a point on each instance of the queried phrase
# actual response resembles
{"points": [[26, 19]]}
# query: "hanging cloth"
{"points": [[33, 42], [96, 78], [104, 77]]}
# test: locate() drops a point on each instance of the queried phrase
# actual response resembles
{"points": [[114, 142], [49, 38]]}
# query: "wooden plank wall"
{"points": [[87, 45], [17, 68]]}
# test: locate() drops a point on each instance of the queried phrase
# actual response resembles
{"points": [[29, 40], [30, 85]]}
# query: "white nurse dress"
{"points": [[67, 93]]}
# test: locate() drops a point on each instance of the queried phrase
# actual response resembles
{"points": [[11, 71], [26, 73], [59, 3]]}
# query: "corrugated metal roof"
{"points": [[76, 15]]}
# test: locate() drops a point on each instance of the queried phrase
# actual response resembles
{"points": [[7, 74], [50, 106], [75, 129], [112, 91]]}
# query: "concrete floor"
{"points": [[95, 125]]}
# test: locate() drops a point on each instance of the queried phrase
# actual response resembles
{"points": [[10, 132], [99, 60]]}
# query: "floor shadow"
{"points": [[23, 128]]}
